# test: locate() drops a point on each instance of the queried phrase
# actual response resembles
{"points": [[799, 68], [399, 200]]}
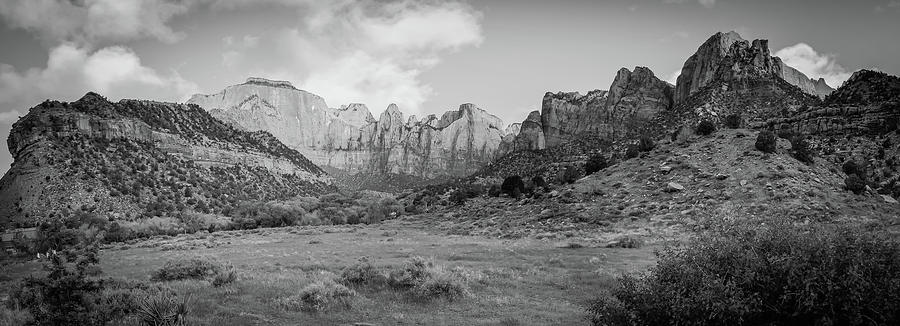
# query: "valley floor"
{"points": [[512, 282]]}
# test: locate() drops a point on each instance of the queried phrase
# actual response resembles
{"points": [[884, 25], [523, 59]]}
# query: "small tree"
{"points": [[706, 127], [766, 141], [733, 121], [513, 186], [801, 150], [594, 163], [855, 184]]}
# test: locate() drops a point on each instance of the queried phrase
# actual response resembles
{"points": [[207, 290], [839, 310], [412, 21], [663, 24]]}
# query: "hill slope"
{"points": [[141, 158]]}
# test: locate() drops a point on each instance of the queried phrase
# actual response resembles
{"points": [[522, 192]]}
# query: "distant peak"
{"points": [[92, 97], [269, 82]]}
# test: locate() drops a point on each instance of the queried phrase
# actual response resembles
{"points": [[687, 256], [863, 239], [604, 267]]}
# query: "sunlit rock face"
{"points": [[350, 138]]}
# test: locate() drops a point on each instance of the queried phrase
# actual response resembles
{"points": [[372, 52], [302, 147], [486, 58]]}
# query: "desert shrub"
{"points": [[193, 268], [733, 121], [632, 151], [681, 134], [800, 149], [494, 191], [362, 273], [595, 163], [855, 184], [224, 276], [706, 127], [163, 309], [851, 168], [774, 274], [646, 144], [539, 182], [442, 285], [766, 141], [569, 175], [321, 295], [413, 272], [513, 186]]}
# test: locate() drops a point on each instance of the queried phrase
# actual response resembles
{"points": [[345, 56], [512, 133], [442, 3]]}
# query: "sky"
{"points": [[427, 56]]}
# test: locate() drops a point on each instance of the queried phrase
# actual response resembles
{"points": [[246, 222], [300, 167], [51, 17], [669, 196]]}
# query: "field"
{"points": [[511, 282]]}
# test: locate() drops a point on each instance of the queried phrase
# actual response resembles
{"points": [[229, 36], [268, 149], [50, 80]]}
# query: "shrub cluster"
{"points": [[417, 276], [733, 121], [776, 274], [766, 142], [800, 149], [595, 163], [706, 127]]}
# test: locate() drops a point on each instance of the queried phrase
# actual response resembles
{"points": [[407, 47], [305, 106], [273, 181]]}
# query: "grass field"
{"points": [[511, 282]]}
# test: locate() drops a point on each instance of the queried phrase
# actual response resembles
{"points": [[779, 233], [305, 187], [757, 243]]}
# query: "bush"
{"points": [[427, 280], [194, 268], [66, 295], [801, 150], [362, 273], [163, 309], [766, 141], [442, 285], [855, 184], [776, 274], [646, 144], [569, 175], [320, 295], [225, 276], [733, 121], [851, 168], [632, 151], [539, 182], [513, 186], [413, 272], [706, 127], [596, 162], [494, 191]]}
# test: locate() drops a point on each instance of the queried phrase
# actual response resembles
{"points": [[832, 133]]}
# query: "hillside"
{"points": [[673, 189], [142, 159]]}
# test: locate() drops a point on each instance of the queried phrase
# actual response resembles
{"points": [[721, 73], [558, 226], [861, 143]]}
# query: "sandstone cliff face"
{"points": [[351, 139], [711, 63], [633, 98]]}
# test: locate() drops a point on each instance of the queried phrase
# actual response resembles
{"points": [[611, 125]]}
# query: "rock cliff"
{"points": [[456, 144], [123, 157]]}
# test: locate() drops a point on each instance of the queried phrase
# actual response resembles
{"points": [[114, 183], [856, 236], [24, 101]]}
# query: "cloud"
{"points": [[705, 3], [94, 21], [807, 60], [115, 72], [372, 52], [673, 77]]}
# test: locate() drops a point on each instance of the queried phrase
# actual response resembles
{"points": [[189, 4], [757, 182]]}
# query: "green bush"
{"points": [[706, 127], [442, 285], [321, 295], [513, 186], [66, 295], [733, 121], [569, 175], [646, 144], [800, 149], [426, 280], [855, 184], [181, 269], [362, 273], [774, 274], [413, 272], [766, 142], [595, 163], [163, 309], [224, 276]]}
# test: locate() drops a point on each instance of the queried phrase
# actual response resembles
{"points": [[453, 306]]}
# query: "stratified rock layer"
{"points": [[351, 139]]}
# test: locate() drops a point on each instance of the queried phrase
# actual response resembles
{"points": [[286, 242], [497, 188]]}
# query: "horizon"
{"points": [[501, 56]]}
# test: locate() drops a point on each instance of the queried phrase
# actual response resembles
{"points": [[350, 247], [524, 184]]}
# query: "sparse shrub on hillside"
{"points": [[646, 144], [800, 149], [850, 167], [226, 275], [539, 183], [428, 280], [363, 272], [766, 142], [681, 135], [632, 152], [413, 272], [733, 121], [569, 175], [774, 273], [596, 162], [706, 127], [494, 191], [855, 184], [513, 186]]}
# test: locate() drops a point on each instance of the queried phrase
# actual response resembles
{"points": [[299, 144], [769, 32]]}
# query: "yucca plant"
{"points": [[163, 309]]}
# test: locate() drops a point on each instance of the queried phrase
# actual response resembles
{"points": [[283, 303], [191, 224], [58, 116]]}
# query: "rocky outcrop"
{"points": [[728, 57], [122, 156], [633, 98], [457, 143], [867, 104]]}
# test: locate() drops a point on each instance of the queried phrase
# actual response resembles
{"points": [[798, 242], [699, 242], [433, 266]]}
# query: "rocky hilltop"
{"points": [[141, 158], [350, 139]]}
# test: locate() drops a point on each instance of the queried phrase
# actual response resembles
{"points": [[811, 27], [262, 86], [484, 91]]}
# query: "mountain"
{"points": [[142, 158], [350, 139]]}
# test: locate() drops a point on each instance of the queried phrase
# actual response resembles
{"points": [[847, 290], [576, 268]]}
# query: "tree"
{"points": [[706, 127], [766, 141]]}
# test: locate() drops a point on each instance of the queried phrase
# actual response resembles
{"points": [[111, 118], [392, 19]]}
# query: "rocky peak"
{"points": [[867, 86], [700, 68], [269, 83], [355, 114]]}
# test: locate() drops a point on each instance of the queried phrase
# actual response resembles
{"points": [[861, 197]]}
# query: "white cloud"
{"points": [[807, 60], [673, 78], [372, 52], [115, 72], [705, 3], [94, 21]]}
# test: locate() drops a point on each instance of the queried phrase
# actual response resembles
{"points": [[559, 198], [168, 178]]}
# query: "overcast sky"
{"points": [[426, 56]]}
